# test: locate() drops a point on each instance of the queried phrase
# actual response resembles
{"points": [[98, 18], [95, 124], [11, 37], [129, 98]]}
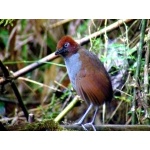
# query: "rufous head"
{"points": [[67, 46]]}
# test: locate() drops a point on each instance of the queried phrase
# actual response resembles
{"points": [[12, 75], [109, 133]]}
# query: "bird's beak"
{"points": [[61, 51]]}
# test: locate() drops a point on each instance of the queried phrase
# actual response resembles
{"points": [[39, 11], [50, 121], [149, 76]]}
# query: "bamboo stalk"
{"points": [[67, 109], [142, 34]]}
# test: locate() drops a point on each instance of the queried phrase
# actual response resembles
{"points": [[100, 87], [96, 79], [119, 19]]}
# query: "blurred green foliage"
{"points": [[5, 22]]}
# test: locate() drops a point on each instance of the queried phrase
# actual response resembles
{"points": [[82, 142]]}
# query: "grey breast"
{"points": [[73, 65]]}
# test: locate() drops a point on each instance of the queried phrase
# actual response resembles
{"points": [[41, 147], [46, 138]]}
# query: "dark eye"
{"points": [[66, 45]]}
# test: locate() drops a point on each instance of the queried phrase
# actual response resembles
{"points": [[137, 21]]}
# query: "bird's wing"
{"points": [[93, 87]]}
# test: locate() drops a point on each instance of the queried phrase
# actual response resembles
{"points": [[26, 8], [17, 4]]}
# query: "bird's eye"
{"points": [[66, 45]]}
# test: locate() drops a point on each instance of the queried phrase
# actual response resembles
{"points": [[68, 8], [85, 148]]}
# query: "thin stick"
{"points": [[146, 75], [18, 96], [38, 83]]}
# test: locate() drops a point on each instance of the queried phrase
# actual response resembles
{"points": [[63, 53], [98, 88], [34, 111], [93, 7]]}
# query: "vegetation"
{"points": [[46, 90]]}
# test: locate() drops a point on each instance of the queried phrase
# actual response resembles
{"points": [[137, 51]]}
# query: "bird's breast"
{"points": [[73, 65]]}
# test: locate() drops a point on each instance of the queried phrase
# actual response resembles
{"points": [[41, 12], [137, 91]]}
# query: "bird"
{"points": [[87, 74]]}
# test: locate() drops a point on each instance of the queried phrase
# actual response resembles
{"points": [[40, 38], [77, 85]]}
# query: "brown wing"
{"points": [[93, 87]]}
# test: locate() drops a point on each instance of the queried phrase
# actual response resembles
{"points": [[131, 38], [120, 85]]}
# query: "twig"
{"points": [[8, 100], [114, 112], [144, 21], [18, 96], [14, 88], [38, 83], [61, 85]]}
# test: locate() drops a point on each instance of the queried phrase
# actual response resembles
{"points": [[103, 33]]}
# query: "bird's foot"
{"points": [[88, 125], [84, 126], [80, 124]]}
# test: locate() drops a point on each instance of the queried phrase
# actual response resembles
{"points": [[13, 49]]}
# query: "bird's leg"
{"points": [[92, 122], [85, 114]]}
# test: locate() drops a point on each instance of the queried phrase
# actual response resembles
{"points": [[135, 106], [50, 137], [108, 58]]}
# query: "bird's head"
{"points": [[67, 46]]}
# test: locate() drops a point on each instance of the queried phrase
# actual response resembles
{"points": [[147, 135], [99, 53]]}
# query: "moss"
{"points": [[45, 125]]}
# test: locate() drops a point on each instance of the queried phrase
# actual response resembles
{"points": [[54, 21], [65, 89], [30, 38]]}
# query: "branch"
{"points": [[110, 128]]}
